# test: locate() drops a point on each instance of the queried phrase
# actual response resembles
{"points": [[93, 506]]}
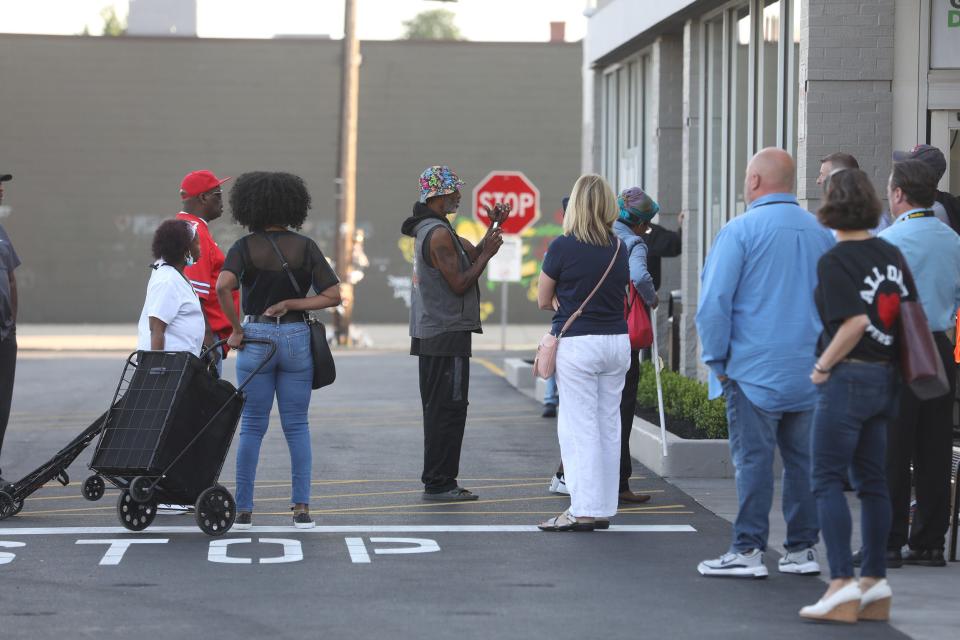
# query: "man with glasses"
{"points": [[202, 197]]}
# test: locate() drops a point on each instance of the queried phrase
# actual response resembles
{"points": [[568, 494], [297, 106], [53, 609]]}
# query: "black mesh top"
{"points": [[263, 281]]}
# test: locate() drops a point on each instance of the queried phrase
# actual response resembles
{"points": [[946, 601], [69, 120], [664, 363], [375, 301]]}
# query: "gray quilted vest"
{"points": [[434, 308]]}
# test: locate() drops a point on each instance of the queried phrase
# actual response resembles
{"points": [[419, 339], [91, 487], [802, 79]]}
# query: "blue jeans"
{"points": [[288, 375], [850, 432], [754, 434], [550, 395]]}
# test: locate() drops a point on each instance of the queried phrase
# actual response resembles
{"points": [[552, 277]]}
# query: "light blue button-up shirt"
{"points": [[756, 317], [932, 250]]}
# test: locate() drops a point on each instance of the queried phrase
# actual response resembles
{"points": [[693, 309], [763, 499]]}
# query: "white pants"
{"points": [[590, 376]]}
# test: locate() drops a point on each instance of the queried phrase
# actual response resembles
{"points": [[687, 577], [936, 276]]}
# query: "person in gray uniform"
{"points": [[444, 314]]}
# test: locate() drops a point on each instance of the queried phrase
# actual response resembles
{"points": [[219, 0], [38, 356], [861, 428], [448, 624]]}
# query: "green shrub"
{"points": [[683, 398]]}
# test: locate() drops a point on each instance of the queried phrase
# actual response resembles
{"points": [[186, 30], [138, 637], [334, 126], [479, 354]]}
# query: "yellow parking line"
{"points": [[489, 366]]}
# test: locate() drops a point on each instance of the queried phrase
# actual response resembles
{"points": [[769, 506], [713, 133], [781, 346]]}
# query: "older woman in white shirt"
{"points": [[171, 319]]}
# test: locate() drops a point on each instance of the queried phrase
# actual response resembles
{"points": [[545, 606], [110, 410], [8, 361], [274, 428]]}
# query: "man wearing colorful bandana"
{"points": [[444, 313], [637, 209], [202, 196]]}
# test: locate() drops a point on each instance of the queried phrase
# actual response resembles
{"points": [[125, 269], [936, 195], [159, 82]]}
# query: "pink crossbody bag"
{"points": [[545, 362]]}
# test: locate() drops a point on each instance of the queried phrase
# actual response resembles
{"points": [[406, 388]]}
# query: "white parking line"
{"points": [[15, 532]]}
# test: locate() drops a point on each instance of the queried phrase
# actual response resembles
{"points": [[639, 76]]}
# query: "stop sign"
{"points": [[511, 188]]}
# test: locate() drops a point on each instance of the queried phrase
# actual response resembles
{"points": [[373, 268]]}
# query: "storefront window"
{"points": [[740, 146], [794, 80], [768, 74], [648, 143], [750, 98], [713, 132]]}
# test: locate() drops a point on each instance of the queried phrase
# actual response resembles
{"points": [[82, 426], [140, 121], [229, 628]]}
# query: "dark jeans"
{"points": [[922, 434], [8, 367], [444, 386], [849, 437], [628, 405], [754, 435]]}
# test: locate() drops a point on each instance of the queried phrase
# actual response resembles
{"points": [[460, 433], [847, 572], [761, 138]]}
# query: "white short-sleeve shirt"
{"points": [[170, 298]]}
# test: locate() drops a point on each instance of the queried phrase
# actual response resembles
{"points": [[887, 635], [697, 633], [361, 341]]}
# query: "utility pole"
{"points": [[347, 170]]}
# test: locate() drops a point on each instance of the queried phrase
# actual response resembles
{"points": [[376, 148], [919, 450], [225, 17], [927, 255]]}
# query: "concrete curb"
{"points": [[685, 458]]}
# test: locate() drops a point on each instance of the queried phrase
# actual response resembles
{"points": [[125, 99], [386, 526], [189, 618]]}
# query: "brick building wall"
{"points": [[99, 131]]}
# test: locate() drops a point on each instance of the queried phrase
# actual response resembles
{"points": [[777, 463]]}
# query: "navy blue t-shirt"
{"points": [[577, 267]]}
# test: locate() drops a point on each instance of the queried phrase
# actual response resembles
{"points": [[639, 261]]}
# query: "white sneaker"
{"points": [[805, 562], [557, 485], [748, 564]]}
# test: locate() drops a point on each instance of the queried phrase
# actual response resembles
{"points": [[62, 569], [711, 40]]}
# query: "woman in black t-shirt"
{"points": [[269, 205], [861, 285]]}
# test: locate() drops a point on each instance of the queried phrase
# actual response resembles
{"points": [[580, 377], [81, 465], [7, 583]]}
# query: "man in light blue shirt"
{"points": [[758, 330], [922, 434]]}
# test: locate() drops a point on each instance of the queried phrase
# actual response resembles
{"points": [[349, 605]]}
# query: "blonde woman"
{"points": [[594, 354]]}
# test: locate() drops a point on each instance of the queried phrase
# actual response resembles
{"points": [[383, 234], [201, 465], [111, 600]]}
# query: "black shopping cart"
{"points": [[13, 494], [166, 437]]}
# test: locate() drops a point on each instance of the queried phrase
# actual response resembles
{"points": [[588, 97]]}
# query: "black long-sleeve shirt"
{"points": [[661, 243]]}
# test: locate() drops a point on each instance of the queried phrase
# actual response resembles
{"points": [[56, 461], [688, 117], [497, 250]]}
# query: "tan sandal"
{"points": [[566, 522]]}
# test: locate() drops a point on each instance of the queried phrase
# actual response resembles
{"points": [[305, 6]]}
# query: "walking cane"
{"points": [[657, 365]]}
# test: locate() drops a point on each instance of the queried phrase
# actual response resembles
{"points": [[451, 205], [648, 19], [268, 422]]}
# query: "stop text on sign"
{"points": [[511, 188]]}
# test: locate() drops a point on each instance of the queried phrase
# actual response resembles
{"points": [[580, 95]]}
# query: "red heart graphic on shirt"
{"points": [[888, 308]]}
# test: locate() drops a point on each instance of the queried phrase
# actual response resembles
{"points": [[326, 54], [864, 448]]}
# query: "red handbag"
{"points": [[638, 320]]}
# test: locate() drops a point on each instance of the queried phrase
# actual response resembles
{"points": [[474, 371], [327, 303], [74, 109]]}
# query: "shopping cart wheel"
{"points": [[93, 488], [216, 511], [8, 507], [141, 489], [134, 515]]}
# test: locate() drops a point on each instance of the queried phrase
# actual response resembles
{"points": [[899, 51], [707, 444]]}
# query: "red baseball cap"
{"points": [[197, 182]]}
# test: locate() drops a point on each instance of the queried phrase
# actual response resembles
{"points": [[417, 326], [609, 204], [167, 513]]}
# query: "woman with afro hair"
{"points": [[272, 206], [171, 319]]}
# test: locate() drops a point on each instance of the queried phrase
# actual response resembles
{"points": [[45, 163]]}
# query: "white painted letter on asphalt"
{"points": [[423, 545], [358, 551], [7, 558], [292, 551], [218, 551], [114, 554]]}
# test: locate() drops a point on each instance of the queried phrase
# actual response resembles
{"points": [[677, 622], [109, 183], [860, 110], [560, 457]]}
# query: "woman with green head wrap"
{"points": [[637, 209]]}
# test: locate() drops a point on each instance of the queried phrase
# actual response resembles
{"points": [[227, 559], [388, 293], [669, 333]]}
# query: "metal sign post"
{"points": [[506, 267]]}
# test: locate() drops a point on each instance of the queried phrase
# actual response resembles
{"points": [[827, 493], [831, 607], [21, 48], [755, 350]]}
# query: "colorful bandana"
{"points": [[438, 180], [636, 206]]}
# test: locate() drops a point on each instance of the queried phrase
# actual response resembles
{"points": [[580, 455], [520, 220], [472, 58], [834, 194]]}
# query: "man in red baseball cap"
{"points": [[202, 197]]}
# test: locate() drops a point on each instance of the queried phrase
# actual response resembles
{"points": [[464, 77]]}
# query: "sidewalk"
{"points": [[123, 337], [925, 598]]}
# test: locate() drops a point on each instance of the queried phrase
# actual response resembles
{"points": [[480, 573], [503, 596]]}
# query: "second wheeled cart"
{"points": [[166, 437]]}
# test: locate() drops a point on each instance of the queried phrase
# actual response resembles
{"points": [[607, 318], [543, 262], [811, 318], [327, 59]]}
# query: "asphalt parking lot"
{"points": [[381, 562]]}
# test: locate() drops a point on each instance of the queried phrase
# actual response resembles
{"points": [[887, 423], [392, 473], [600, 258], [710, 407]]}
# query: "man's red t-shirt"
{"points": [[203, 276]]}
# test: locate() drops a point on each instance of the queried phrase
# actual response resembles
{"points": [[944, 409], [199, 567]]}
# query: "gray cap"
{"points": [[930, 156]]}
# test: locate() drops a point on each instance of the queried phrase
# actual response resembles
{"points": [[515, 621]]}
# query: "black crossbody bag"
{"points": [[324, 368]]}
